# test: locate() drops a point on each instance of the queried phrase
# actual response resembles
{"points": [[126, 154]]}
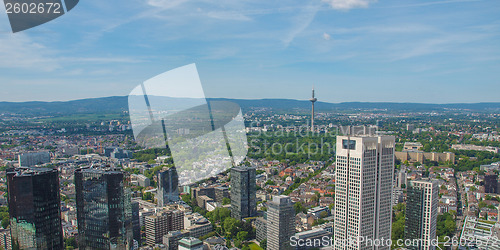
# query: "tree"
{"points": [[5, 222], [323, 214], [226, 201], [299, 208], [147, 196], [242, 236], [70, 243], [237, 244], [263, 244]]}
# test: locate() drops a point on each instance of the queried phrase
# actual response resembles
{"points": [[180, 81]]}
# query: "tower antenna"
{"points": [[313, 100]]}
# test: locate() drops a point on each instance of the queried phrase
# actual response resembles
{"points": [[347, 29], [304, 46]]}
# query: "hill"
{"points": [[119, 104]]}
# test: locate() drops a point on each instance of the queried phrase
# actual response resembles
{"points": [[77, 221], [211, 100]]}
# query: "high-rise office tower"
{"points": [[168, 190], [104, 211], [243, 196], [363, 190], [280, 223], [34, 208], [136, 222], [491, 184], [421, 212]]}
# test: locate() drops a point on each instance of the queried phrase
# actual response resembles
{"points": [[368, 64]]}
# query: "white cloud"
{"points": [[19, 51], [348, 4], [228, 15], [326, 36], [300, 22], [165, 4]]}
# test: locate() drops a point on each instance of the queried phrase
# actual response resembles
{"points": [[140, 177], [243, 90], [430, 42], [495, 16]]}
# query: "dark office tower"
{"points": [[421, 213], [491, 184], [34, 208], [104, 211], [280, 223], [168, 186], [243, 199], [136, 222]]}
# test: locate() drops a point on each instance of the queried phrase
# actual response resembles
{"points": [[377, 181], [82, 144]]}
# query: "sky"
{"points": [[425, 51]]}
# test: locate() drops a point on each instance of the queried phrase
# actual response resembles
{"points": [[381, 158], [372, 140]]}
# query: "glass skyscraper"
{"points": [[168, 182], [104, 211], [243, 196], [421, 213], [34, 208]]}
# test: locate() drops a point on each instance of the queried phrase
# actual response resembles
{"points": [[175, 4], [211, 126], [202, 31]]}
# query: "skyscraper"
{"points": [[363, 190], [34, 208], [280, 223], [421, 212], [168, 190], [313, 100], [104, 211], [243, 196], [136, 222], [491, 184]]}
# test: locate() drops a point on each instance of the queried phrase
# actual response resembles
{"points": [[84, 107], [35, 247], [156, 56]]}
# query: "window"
{"points": [[348, 144]]}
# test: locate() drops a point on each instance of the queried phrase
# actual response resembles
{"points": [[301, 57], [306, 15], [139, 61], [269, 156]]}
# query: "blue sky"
{"points": [[436, 51]]}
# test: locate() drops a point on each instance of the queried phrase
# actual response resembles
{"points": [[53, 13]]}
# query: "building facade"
{"points": [[363, 190], [136, 222], [171, 239], [190, 243], [421, 213], [243, 196], [104, 210], [168, 190], [33, 158], [280, 223], [260, 229], [491, 184], [160, 224], [34, 208]]}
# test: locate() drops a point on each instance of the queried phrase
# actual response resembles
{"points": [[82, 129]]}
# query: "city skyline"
{"points": [[430, 52]]}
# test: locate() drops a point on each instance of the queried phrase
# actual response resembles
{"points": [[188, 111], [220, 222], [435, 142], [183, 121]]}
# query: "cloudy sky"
{"points": [[431, 51]]}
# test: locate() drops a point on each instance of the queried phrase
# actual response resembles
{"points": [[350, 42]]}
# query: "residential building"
{"points": [[171, 239], [221, 193], [5, 239], [160, 224], [33, 158]]}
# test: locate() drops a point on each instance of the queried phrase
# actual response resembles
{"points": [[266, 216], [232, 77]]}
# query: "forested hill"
{"points": [[119, 104]]}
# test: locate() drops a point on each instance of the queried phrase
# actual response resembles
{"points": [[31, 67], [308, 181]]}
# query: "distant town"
{"points": [[312, 179]]}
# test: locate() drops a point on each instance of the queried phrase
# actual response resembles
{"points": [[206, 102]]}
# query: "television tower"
{"points": [[313, 100]]}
